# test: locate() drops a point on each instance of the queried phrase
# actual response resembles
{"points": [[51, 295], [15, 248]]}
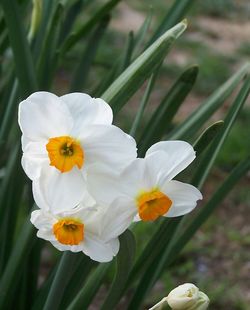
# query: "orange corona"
{"points": [[69, 231], [65, 153], [153, 204]]}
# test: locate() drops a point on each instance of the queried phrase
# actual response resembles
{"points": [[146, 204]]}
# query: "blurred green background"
{"points": [[218, 40]]}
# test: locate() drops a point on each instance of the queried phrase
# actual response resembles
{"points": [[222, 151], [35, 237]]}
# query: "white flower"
{"points": [[62, 137], [79, 230], [187, 297], [146, 186]]}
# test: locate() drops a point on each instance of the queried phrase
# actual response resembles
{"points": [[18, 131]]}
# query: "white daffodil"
{"points": [[77, 231], [62, 137], [146, 186]]}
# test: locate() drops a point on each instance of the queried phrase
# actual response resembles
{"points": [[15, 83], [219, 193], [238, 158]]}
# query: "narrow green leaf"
{"points": [[208, 160], [22, 55], [154, 271], [191, 125], [125, 259], [10, 169], [161, 118], [128, 52], [83, 67], [48, 59], [9, 114], [207, 136], [176, 13], [142, 32], [48, 10], [143, 104], [238, 172], [12, 272], [118, 67], [148, 277], [61, 280], [87, 27], [151, 250], [132, 78], [87, 293], [71, 15], [77, 280]]}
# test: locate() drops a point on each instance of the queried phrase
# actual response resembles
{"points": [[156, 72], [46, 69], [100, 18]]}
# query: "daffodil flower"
{"points": [[79, 230], [62, 137], [146, 186]]}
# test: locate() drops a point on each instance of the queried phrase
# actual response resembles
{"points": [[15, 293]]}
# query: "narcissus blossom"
{"points": [[146, 186], [79, 230], [62, 138]]}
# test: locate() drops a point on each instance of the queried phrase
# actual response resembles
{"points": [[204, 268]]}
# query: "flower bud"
{"points": [[187, 297], [184, 297]]}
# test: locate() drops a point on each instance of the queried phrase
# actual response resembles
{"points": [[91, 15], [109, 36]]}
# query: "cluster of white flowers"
{"points": [[87, 181]]}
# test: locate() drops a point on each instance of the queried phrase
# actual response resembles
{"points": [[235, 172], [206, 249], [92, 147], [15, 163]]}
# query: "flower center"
{"points": [[152, 204], [69, 231], [64, 153]]}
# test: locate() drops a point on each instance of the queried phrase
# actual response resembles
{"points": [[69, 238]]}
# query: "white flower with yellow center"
{"points": [[62, 137], [146, 186], [79, 230]]}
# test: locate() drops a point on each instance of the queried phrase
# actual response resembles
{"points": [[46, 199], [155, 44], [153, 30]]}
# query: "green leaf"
{"points": [[175, 14], [83, 67], [61, 280], [12, 272], [87, 293], [192, 124], [149, 275], [212, 153], [9, 114], [10, 170], [133, 77], [142, 32], [48, 59], [87, 27], [143, 104], [125, 259], [161, 118], [239, 171], [154, 270], [151, 250], [207, 136], [78, 279], [22, 55]]}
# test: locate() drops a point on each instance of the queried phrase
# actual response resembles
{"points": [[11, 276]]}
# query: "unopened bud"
{"points": [[184, 297]]}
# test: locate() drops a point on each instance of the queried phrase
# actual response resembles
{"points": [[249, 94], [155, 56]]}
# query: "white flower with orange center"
{"points": [[146, 186], [77, 231], [62, 138]]}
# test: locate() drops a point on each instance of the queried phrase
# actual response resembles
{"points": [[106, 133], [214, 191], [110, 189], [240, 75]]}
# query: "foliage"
{"points": [[32, 62]]}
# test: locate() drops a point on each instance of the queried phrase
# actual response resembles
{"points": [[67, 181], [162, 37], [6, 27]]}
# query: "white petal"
{"points": [[97, 249], [57, 192], [34, 159], [179, 155], [108, 145], [106, 185], [43, 115], [184, 197], [42, 220], [86, 111], [117, 218]]}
